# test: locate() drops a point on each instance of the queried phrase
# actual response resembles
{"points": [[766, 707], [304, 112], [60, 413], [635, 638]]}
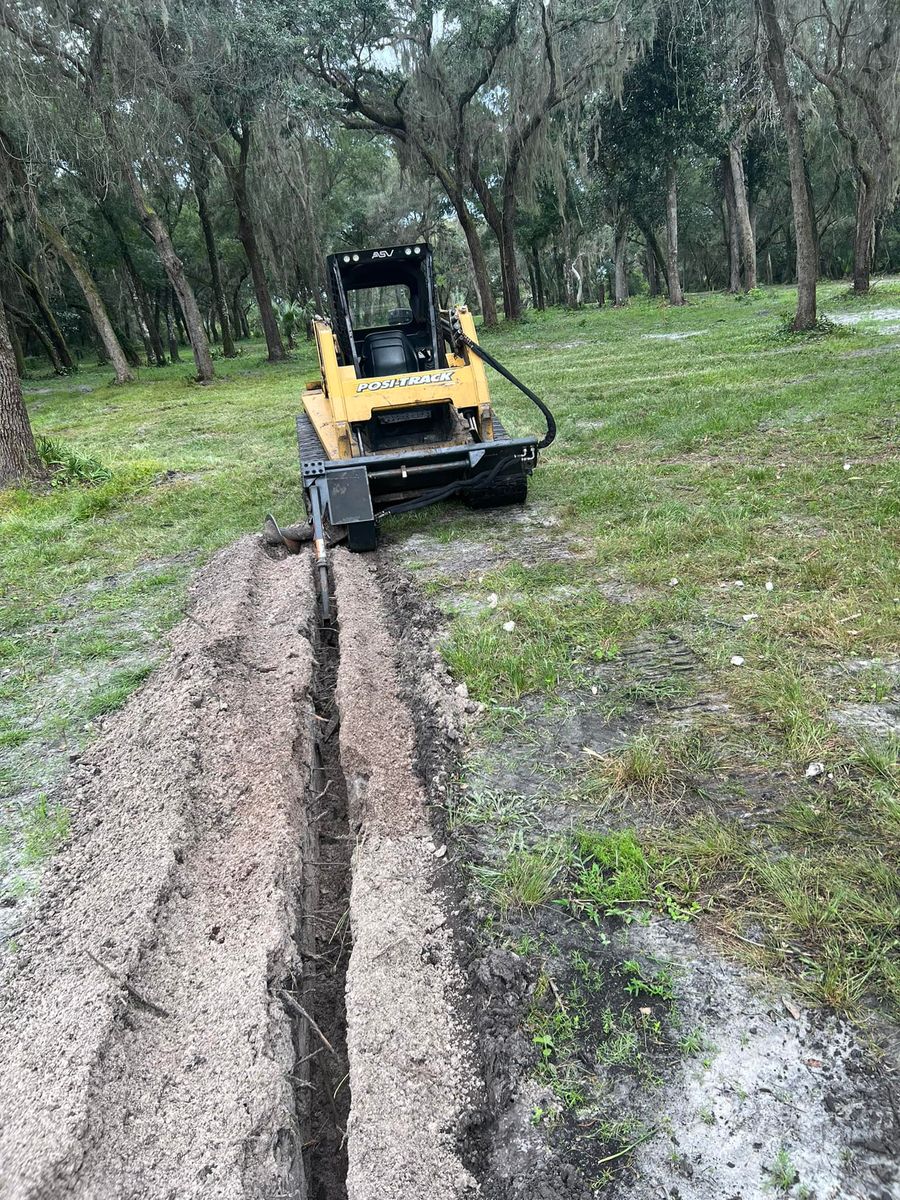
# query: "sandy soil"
{"points": [[411, 1076], [143, 1049], [773, 1076]]}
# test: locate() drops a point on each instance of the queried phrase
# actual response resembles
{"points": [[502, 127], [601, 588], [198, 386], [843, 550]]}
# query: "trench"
{"points": [[317, 1004]]}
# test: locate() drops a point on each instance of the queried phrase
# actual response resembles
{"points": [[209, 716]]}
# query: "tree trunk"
{"points": [[621, 246], [512, 293], [170, 329], [43, 337], [143, 328], [18, 455], [539, 300], [172, 264], [63, 353], [652, 275], [804, 217], [578, 297], [742, 215], [864, 236], [92, 295], [236, 313], [653, 243], [212, 253], [126, 341], [15, 342], [676, 296], [732, 232], [236, 174], [151, 318], [501, 222], [479, 262], [147, 323], [146, 317], [174, 269], [247, 237]]}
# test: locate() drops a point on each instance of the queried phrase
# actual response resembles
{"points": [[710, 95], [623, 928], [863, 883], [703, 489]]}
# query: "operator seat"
{"points": [[389, 352]]}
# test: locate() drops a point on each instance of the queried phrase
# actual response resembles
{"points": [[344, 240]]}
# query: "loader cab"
{"points": [[385, 311]]}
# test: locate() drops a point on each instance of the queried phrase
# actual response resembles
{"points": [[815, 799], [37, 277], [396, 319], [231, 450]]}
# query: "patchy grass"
{"points": [[695, 483], [640, 764], [146, 482], [735, 491], [525, 879]]}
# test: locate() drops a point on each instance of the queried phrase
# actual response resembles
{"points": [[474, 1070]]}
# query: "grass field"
{"points": [[716, 482]]}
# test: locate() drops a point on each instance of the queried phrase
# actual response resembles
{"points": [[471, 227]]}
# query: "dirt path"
{"points": [[174, 1019], [411, 1074]]}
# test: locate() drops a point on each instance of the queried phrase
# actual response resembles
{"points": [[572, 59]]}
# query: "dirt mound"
{"points": [[143, 1048], [411, 1076]]}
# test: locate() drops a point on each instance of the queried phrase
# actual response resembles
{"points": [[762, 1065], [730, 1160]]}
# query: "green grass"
{"points": [[147, 481], [782, 1174], [740, 455], [526, 878], [740, 488], [113, 694]]}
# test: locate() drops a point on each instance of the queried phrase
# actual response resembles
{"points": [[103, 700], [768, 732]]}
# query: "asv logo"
{"points": [[382, 253]]}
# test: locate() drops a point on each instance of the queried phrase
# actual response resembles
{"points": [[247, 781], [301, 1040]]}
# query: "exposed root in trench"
{"points": [[316, 1005]]}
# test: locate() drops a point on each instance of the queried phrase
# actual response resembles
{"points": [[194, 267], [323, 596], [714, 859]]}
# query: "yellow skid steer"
{"points": [[401, 415]]}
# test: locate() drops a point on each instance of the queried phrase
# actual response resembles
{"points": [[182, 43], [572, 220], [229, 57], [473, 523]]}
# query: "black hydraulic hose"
{"points": [[444, 493], [499, 367]]}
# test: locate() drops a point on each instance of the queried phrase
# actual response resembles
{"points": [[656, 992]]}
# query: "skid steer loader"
{"points": [[400, 416]]}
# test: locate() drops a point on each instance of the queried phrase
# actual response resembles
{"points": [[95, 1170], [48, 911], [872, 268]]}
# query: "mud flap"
{"points": [[349, 498]]}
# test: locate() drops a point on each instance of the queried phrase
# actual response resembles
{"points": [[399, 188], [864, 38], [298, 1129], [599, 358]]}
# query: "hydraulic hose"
{"points": [[458, 335], [444, 493]]}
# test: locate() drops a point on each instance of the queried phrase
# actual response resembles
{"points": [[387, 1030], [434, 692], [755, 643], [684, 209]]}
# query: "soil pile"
{"points": [[145, 1050]]}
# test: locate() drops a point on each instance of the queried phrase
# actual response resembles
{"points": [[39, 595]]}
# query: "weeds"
{"points": [[658, 987], [612, 876], [67, 466], [526, 878], [640, 764], [782, 1173], [496, 810]]}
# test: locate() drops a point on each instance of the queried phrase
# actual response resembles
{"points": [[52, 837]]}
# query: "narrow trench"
{"points": [[321, 1073]]}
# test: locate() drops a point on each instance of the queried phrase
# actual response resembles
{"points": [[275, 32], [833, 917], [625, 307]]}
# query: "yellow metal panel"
{"points": [[362, 396], [333, 435], [476, 366], [346, 399]]}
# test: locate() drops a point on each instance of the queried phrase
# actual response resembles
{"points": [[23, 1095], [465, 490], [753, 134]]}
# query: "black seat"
{"points": [[389, 352]]}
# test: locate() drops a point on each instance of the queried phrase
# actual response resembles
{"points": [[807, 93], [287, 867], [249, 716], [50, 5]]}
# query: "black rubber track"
{"points": [[308, 444]]}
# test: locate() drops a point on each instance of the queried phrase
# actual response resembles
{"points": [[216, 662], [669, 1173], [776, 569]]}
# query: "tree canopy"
{"points": [[173, 172]]}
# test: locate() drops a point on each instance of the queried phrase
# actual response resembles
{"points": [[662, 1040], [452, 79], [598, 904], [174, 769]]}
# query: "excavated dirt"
{"points": [[411, 1074], [183, 1015], [144, 1046]]}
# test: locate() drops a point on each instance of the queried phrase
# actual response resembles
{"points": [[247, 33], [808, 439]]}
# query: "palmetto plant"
{"points": [[291, 314]]}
